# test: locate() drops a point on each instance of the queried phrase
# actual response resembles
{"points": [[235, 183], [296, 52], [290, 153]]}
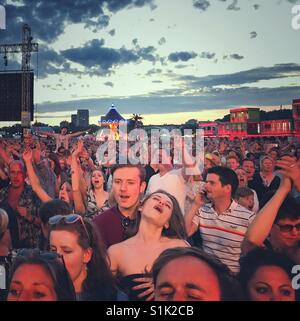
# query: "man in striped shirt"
{"points": [[222, 223]]}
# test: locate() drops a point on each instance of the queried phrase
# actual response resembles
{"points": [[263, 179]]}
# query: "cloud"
{"points": [[162, 41], [180, 66], [256, 6], [243, 77], [135, 41], [48, 19], [234, 56], [171, 102], [153, 72], [233, 6], [100, 60], [253, 34], [201, 4], [157, 81], [181, 56], [109, 84], [207, 55], [112, 32]]}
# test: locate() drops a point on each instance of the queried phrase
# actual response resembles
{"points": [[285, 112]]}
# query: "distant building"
{"points": [[74, 120], [82, 117]]}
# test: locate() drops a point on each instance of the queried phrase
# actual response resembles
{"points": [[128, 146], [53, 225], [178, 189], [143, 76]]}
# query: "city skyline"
{"points": [[167, 60]]}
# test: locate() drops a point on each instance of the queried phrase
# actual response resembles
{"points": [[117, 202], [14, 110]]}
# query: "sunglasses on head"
{"points": [[69, 219], [288, 227], [36, 252]]}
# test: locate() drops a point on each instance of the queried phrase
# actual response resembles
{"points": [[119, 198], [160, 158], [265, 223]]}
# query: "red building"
{"points": [[296, 116], [244, 122]]}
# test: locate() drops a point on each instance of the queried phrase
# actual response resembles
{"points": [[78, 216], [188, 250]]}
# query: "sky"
{"points": [[169, 60]]}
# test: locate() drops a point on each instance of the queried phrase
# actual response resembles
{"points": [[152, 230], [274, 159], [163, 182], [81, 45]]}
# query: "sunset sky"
{"points": [[169, 60]]}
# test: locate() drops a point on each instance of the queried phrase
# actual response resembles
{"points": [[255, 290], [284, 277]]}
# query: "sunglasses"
{"points": [[36, 252], [126, 221], [288, 227], [69, 219]]}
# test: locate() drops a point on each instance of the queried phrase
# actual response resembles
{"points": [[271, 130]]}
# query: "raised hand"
{"points": [[27, 155], [290, 168], [79, 149]]}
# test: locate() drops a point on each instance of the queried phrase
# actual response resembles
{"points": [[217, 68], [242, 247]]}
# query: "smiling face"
{"points": [[187, 279], [31, 282], [270, 283], [158, 208]]}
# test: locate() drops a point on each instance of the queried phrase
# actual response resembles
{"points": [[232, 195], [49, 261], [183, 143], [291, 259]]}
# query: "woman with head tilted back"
{"points": [[159, 227], [76, 240]]}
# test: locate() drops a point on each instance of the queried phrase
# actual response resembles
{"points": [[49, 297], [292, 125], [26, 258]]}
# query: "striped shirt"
{"points": [[223, 234]]}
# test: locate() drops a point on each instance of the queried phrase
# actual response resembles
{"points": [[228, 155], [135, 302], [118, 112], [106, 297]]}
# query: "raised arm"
{"points": [[34, 180], [261, 226], [78, 133], [4, 154], [191, 226], [75, 170]]}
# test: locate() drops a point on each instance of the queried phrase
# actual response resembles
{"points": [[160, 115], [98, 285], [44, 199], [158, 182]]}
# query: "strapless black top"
{"points": [[126, 284]]}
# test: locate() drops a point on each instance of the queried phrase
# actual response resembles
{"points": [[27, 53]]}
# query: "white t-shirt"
{"points": [[172, 182]]}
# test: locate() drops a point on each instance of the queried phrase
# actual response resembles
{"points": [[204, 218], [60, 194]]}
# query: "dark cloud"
{"points": [[201, 4], [181, 56], [253, 34], [153, 71], [256, 6], [112, 32], [162, 41], [207, 55], [172, 101], [243, 77], [99, 60], [233, 6], [234, 56], [48, 19], [135, 41], [109, 84], [180, 66], [157, 81]]}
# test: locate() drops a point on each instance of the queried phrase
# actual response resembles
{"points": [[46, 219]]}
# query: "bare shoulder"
{"points": [[115, 249]]}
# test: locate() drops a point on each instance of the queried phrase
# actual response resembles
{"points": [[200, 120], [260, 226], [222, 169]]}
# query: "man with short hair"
{"points": [[222, 223], [249, 166], [173, 181], [232, 162], [128, 183], [21, 204]]}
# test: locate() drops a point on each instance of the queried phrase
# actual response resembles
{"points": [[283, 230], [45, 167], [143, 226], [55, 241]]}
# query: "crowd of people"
{"points": [[74, 228]]}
